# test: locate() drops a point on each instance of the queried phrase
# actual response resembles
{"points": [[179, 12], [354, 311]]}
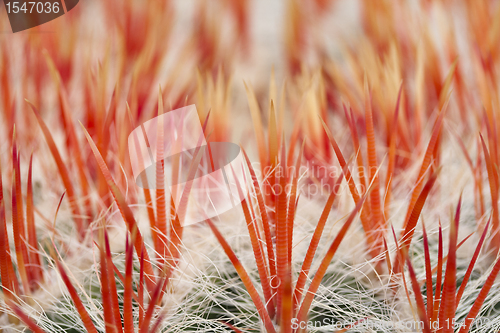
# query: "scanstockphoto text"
{"points": [[409, 325], [321, 178]]}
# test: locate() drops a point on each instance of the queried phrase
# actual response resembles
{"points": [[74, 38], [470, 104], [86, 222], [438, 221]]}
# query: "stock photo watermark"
{"points": [[321, 178], [408, 326], [25, 15], [206, 179]]}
